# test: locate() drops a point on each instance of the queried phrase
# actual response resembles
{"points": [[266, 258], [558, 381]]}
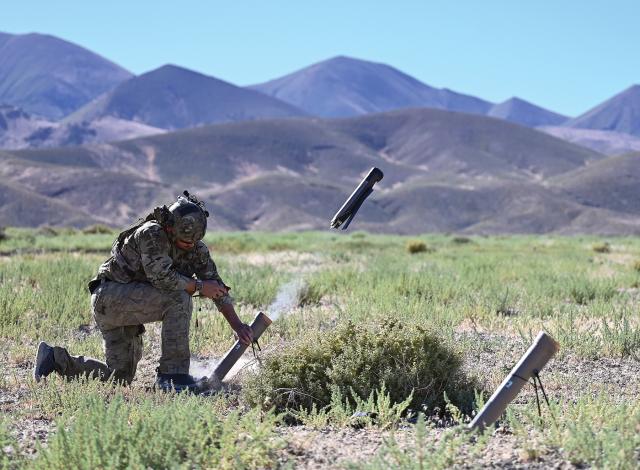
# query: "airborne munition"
{"points": [[541, 351], [348, 210]]}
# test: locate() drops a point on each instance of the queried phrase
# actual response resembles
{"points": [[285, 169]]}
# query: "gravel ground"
{"points": [[308, 448]]}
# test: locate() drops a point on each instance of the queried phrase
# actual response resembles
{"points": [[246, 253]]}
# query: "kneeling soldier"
{"points": [[154, 269]]}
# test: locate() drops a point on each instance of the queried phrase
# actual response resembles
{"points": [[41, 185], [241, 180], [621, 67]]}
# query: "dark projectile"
{"points": [[348, 210]]}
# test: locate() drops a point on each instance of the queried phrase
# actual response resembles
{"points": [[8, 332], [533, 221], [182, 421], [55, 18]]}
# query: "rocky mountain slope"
{"points": [[50, 77], [620, 113], [606, 142], [172, 97], [443, 172], [344, 86], [20, 130], [526, 114]]}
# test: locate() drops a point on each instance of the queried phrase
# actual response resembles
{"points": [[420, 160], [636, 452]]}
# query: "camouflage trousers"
{"points": [[120, 311]]}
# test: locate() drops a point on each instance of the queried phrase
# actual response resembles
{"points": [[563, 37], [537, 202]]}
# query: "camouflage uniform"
{"points": [[143, 281]]}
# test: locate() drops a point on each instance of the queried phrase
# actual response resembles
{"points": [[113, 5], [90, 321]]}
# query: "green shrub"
{"points": [[583, 291], [418, 246], [461, 240], [47, 231], [357, 360], [425, 452], [602, 247], [185, 433], [97, 229], [3, 234]]}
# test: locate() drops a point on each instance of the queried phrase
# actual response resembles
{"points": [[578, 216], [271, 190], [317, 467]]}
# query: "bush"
{"points": [[3, 234], [187, 433], [602, 247], [355, 359], [97, 229], [47, 231], [418, 246], [461, 240]]}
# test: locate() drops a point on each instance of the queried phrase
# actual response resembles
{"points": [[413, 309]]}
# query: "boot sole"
{"points": [[43, 348]]}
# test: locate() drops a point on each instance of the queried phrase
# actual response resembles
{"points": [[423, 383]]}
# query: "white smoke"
{"points": [[199, 369], [287, 298]]}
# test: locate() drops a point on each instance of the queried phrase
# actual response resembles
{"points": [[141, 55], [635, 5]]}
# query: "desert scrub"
{"points": [[405, 360], [593, 431], [603, 247], [98, 229], [418, 246], [376, 410], [184, 433], [426, 452]]}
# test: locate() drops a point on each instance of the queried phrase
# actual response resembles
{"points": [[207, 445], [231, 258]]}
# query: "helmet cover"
{"points": [[189, 218]]}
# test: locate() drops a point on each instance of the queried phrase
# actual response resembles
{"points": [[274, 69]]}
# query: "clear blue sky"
{"points": [[565, 55]]}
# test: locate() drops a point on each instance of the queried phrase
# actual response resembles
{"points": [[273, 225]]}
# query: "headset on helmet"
{"points": [[187, 217]]}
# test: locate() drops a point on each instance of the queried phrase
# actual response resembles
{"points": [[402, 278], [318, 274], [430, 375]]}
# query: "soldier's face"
{"points": [[185, 245]]}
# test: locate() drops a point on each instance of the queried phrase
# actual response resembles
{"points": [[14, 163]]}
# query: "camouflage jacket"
{"points": [[147, 255]]}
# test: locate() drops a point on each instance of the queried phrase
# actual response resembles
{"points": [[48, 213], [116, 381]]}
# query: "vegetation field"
{"points": [[383, 349]]}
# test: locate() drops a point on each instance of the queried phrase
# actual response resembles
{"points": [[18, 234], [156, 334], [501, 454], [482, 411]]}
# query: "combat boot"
{"points": [[178, 382], [45, 361]]}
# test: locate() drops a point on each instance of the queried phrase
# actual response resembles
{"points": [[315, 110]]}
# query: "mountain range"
{"points": [[444, 172], [285, 153], [51, 77], [172, 97]]}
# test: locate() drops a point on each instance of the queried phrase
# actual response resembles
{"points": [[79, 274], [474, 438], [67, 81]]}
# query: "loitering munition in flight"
{"points": [[348, 210]]}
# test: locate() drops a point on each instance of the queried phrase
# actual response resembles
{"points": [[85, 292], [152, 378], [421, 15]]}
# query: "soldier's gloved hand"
{"points": [[245, 334], [213, 289]]}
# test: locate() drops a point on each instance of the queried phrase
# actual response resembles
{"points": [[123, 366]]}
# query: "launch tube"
{"points": [[260, 323], [541, 351]]}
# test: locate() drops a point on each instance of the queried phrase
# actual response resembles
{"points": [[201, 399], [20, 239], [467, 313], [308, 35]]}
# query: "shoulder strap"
{"points": [[117, 244]]}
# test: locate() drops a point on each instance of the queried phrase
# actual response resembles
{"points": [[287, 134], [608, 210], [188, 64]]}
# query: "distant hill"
{"points": [[620, 114], [20, 130], [444, 172], [606, 142], [524, 113], [50, 77], [612, 183], [23, 207], [343, 87], [172, 97]]}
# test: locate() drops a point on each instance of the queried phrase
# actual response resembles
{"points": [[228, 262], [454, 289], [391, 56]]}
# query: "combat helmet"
{"points": [[188, 218]]}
